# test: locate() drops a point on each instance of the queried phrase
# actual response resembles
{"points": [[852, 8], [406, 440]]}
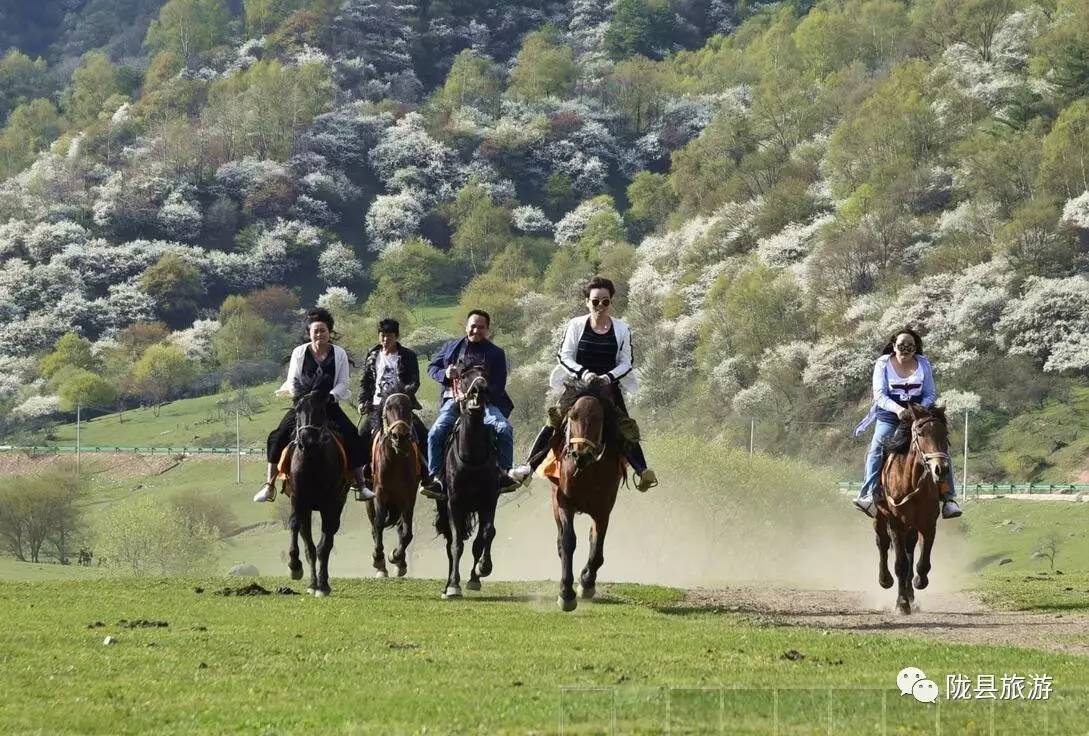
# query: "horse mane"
{"points": [[575, 390], [304, 387]]}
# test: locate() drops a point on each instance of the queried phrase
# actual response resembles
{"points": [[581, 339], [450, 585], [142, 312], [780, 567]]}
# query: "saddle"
{"points": [[283, 468]]}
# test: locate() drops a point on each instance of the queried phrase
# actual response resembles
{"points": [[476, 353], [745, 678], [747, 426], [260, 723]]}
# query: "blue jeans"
{"points": [[448, 414], [875, 459]]}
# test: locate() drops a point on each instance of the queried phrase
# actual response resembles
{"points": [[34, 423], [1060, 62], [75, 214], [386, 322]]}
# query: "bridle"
{"points": [[325, 435], [464, 398], [921, 458], [388, 427], [597, 450]]}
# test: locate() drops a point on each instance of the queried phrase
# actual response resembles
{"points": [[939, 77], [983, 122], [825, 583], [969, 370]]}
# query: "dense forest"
{"points": [[776, 187]]}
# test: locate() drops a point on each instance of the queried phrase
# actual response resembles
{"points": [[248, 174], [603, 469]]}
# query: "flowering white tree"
{"points": [[13, 239], [179, 215], [393, 218], [407, 157], [958, 402], [1075, 214], [37, 407], [791, 244], [530, 219], [197, 341], [338, 265], [337, 299], [1049, 322], [574, 223], [239, 178], [127, 303]]}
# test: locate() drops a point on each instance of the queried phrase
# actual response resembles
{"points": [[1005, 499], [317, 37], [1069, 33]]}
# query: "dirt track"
{"points": [[958, 617]]}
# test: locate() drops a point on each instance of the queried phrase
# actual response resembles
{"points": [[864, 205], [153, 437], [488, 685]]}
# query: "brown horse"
{"points": [[395, 464], [916, 471], [585, 479]]}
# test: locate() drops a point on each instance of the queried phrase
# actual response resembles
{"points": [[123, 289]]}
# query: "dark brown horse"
{"points": [[915, 473], [318, 484], [395, 464], [471, 477], [585, 479]]}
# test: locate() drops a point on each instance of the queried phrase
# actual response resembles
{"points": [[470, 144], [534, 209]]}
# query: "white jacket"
{"points": [[294, 371], [568, 367]]}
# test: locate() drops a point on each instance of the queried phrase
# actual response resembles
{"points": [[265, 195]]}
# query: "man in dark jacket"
{"points": [[476, 348], [388, 368]]}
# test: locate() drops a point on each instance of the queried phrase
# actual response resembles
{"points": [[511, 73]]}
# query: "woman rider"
{"points": [[902, 375], [596, 348], [306, 359]]}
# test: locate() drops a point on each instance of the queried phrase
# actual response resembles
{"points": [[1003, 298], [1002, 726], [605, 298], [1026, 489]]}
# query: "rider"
{"points": [[477, 349], [902, 375], [320, 352], [597, 348], [389, 367]]}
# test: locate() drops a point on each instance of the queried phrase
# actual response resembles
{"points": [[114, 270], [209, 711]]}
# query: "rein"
{"points": [[573, 443], [921, 458], [463, 398]]}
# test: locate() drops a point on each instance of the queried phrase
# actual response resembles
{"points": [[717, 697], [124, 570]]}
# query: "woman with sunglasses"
{"points": [[902, 375], [596, 348]]}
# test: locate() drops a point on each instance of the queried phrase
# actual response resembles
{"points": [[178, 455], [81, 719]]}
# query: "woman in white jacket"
{"points": [[306, 360], [596, 348]]}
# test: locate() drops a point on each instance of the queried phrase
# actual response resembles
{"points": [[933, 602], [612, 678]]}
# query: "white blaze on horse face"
{"points": [[907, 678]]}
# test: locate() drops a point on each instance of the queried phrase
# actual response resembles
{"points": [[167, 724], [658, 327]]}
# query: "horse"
{"points": [[318, 484], [395, 467], [915, 472], [471, 479], [585, 480]]}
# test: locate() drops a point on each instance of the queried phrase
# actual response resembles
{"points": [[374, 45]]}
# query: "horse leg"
{"points": [[378, 526], [483, 558], [455, 547], [330, 525], [311, 551], [293, 563], [565, 545], [404, 537], [922, 578], [881, 527], [588, 578], [903, 570], [910, 538]]}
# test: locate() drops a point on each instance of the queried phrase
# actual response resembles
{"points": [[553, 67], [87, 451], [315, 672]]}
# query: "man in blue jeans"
{"points": [[477, 349]]}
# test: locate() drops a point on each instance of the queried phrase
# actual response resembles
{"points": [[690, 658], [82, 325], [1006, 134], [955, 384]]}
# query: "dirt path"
{"points": [[959, 617]]}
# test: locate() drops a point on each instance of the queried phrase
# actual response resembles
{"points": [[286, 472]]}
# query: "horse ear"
{"points": [[939, 412]]}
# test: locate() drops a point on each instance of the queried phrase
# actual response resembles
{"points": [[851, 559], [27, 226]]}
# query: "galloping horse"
{"points": [[585, 479], [471, 479], [395, 464], [316, 476], [913, 475]]}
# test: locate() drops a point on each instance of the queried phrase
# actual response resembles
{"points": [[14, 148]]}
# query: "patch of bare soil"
{"points": [[119, 466], [947, 616]]}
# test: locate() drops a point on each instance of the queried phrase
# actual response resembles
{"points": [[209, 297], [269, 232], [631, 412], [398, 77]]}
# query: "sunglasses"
{"points": [[601, 302], [905, 347]]}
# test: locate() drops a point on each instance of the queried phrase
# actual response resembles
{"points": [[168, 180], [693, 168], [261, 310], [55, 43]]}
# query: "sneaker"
{"points": [[432, 488], [950, 510], [646, 480], [363, 493], [508, 483], [866, 506], [267, 493], [521, 474]]}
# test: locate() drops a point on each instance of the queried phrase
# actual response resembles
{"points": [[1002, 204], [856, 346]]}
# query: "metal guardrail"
{"points": [[999, 488], [72, 450]]}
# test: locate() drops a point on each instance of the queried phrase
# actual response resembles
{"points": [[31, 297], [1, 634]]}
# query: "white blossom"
{"points": [[37, 407], [1049, 320], [196, 340], [393, 218], [338, 265], [1075, 214], [791, 244], [958, 402], [574, 223], [337, 299], [530, 219]]}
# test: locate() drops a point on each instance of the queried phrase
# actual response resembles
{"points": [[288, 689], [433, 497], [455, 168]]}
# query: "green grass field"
{"points": [[389, 657]]}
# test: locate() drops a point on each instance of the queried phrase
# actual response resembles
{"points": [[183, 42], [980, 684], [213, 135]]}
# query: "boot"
{"points": [[267, 493], [362, 492], [539, 451], [432, 488]]}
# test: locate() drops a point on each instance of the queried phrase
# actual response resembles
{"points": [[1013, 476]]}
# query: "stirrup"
{"points": [[647, 479]]}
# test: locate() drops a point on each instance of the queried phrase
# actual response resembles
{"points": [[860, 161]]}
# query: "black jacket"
{"points": [[408, 374]]}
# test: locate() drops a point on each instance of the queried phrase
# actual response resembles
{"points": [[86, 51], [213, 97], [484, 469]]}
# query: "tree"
{"points": [[651, 201], [385, 301], [1064, 169], [544, 67], [175, 285], [70, 351], [189, 27], [643, 27], [755, 311], [473, 80], [35, 510], [21, 80], [637, 87], [417, 269], [262, 16], [77, 387], [483, 227], [30, 128], [338, 266], [150, 536], [93, 82], [161, 373]]}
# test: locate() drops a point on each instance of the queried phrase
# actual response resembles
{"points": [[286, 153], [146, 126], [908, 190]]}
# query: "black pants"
{"points": [[373, 421], [358, 452]]}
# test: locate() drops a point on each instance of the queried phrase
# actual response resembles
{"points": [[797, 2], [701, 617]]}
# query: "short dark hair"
{"points": [[319, 314], [487, 317], [598, 282], [890, 345], [389, 325]]}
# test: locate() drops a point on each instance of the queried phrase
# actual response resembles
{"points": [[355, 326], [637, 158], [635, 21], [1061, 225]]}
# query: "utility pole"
{"points": [[752, 434], [237, 450], [964, 482], [78, 408]]}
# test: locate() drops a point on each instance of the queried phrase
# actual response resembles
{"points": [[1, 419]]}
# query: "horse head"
{"points": [[472, 386], [590, 417], [311, 412], [397, 421], [930, 441]]}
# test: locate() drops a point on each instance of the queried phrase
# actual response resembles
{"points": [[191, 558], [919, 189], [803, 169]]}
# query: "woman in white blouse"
{"points": [[306, 359]]}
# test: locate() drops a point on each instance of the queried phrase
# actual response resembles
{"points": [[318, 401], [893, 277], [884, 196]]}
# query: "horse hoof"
{"points": [[920, 582], [885, 582], [587, 592], [402, 570], [483, 570], [452, 591], [473, 585], [296, 572], [321, 593], [311, 591], [915, 607], [381, 574], [903, 607], [567, 605]]}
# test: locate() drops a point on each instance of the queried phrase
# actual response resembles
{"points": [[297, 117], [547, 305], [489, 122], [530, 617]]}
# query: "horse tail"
{"points": [[442, 519]]}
